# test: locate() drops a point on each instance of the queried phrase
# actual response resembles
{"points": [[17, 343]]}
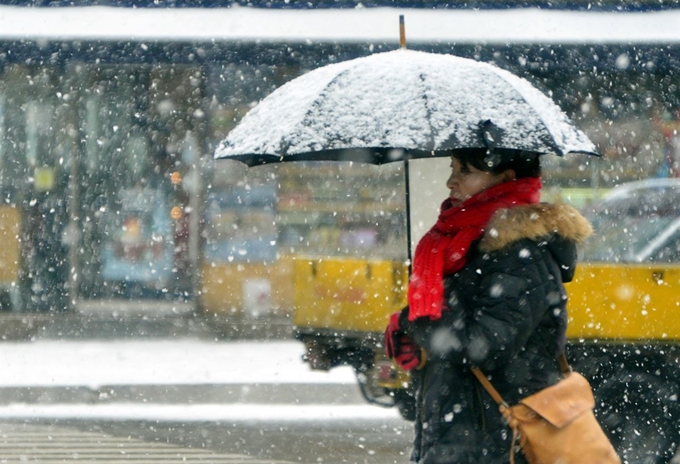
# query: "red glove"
{"points": [[402, 348], [409, 353]]}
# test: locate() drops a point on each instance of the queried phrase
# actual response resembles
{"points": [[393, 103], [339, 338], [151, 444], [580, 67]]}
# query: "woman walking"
{"points": [[487, 291]]}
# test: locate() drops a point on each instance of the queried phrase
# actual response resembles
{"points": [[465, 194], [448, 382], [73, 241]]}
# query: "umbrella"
{"points": [[402, 105], [398, 105]]}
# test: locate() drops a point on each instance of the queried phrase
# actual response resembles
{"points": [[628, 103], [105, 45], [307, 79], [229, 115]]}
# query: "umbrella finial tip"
{"points": [[402, 32]]}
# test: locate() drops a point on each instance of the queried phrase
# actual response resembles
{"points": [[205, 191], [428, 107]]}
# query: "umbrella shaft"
{"points": [[407, 199]]}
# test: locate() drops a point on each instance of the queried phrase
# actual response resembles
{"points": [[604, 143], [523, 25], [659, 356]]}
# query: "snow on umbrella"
{"points": [[401, 105]]}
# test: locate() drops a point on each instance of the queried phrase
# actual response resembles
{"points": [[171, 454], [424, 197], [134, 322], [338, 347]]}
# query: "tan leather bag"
{"points": [[556, 425]]}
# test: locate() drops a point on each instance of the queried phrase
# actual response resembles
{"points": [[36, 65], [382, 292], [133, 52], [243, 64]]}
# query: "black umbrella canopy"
{"points": [[401, 105]]}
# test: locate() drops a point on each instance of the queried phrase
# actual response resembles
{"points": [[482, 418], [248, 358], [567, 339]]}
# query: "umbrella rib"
{"points": [[319, 100], [550, 140], [424, 94]]}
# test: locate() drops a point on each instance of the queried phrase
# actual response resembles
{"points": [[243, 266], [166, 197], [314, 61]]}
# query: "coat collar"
{"points": [[541, 220]]}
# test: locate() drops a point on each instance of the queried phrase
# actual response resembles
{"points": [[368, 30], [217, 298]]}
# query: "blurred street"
{"points": [[369, 441], [180, 389], [49, 443]]}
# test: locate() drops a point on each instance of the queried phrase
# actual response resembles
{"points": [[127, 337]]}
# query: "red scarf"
{"points": [[443, 249]]}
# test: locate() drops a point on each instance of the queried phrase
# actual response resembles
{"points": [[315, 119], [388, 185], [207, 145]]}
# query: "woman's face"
{"points": [[466, 182]]}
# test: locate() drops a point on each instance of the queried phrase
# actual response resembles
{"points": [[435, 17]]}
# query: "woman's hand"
{"points": [[392, 333], [409, 356], [402, 348]]}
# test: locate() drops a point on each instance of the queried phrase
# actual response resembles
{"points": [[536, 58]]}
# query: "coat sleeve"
{"points": [[492, 322]]}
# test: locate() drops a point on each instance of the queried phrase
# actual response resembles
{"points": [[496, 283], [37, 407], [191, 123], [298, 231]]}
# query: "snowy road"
{"points": [[165, 380], [201, 401], [41, 443]]}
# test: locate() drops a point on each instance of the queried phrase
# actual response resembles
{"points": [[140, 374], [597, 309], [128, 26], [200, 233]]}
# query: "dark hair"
{"points": [[524, 163]]}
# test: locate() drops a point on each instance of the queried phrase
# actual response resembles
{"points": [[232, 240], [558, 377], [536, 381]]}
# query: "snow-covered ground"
{"points": [[94, 364], [158, 362]]}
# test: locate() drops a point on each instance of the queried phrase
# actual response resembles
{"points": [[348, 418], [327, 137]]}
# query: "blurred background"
{"points": [[108, 122], [116, 222]]}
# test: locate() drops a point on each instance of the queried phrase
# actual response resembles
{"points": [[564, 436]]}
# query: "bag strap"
{"points": [[564, 365], [504, 408], [488, 387]]}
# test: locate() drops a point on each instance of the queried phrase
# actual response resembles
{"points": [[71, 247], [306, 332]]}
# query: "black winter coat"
{"points": [[505, 312]]}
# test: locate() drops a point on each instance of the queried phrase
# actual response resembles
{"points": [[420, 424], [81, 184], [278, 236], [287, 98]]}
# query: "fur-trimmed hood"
{"points": [[559, 227], [541, 220]]}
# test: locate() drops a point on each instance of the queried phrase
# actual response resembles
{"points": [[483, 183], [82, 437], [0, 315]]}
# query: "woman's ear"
{"points": [[508, 175]]}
